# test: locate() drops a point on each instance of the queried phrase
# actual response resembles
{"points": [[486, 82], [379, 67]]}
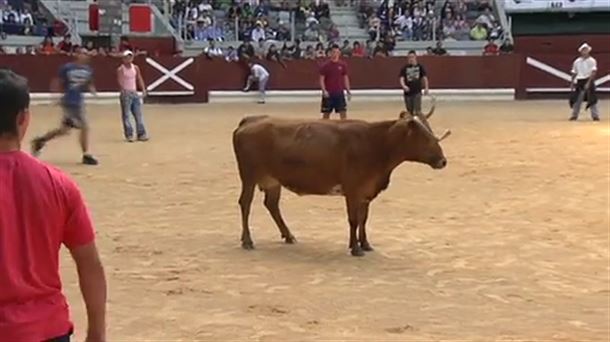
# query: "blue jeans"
{"points": [[131, 104]]}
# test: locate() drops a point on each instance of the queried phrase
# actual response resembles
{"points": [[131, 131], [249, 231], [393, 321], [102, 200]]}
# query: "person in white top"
{"points": [[582, 84], [258, 74]]}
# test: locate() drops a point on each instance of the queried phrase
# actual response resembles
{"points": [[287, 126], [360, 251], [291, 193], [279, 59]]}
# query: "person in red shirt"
{"points": [[40, 209], [358, 50], [334, 81], [65, 46], [491, 49]]}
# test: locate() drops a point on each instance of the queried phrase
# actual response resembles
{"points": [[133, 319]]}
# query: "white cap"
{"points": [[127, 53], [584, 46]]}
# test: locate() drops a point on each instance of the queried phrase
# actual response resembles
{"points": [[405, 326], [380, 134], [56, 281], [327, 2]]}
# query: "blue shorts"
{"points": [[74, 116], [334, 102]]}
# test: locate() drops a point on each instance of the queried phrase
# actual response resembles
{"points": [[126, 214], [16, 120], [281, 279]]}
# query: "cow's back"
{"points": [[305, 156]]}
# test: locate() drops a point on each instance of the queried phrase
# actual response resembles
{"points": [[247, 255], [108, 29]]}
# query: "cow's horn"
{"points": [[431, 109], [445, 135], [403, 115]]}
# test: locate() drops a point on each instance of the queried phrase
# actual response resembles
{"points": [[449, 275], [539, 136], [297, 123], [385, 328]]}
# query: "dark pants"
{"points": [[413, 103], [64, 338], [334, 102]]}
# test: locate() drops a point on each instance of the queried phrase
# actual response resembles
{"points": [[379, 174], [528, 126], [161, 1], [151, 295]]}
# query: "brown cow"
{"points": [[322, 157]]}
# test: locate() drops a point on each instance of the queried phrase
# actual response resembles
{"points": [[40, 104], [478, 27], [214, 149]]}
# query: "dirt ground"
{"points": [[509, 242]]}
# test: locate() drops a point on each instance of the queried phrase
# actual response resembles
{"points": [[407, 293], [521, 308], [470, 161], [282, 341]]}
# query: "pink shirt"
{"points": [[40, 209], [127, 77]]}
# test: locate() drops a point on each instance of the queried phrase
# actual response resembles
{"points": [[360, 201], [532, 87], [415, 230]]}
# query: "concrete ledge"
{"points": [[359, 95]]}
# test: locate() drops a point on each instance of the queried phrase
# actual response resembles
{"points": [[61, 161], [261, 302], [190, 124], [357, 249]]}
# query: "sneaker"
{"points": [[573, 118], [143, 138], [89, 160], [596, 119], [129, 139], [261, 102], [37, 145]]}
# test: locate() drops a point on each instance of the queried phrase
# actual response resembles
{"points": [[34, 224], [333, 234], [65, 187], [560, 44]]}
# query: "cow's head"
{"points": [[416, 142]]}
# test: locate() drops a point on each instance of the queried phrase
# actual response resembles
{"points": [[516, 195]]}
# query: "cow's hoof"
{"points": [[247, 245], [367, 247], [357, 251], [290, 240]]}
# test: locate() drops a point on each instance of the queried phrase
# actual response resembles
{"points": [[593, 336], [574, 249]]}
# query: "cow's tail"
{"points": [[250, 119]]}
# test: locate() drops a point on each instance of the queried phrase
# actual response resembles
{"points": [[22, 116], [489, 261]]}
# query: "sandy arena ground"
{"points": [[509, 242]]}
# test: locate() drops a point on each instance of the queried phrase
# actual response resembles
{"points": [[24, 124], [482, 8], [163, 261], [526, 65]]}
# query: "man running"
{"points": [[260, 75], [412, 79], [584, 70], [73, 80], [41, 209], [334, 81], [127, 76]]}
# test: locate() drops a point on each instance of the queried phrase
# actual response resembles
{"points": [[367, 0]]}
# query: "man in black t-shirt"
{"points": [[412, 79]]}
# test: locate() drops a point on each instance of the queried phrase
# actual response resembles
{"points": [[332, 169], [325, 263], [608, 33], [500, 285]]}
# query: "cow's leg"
{"points": [[245, 202], [363, 215], [352, 215], [272, 203]]}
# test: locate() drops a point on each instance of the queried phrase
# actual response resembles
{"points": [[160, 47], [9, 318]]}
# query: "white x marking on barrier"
{"points": [[560, 74], [173, 74]]}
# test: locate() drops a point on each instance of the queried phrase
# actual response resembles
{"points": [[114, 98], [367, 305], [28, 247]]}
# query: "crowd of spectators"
{"points": [[253, 20], [422, 20], [21, 18], [67, 47], [282, 51]]}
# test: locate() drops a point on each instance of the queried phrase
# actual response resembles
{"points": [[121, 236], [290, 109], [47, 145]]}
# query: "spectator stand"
{"points": [[24, 25], [278, 22]]}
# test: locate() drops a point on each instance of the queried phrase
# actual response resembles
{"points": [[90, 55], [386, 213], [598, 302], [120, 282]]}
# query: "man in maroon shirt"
{"points": [[40, 210], [334, 81]]}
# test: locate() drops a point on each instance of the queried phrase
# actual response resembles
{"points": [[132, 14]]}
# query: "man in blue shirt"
{"points": [[73, 80]]}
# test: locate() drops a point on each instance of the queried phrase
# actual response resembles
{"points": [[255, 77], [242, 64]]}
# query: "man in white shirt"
{"points": [[260, 75], [582, 85], [258, 32]]}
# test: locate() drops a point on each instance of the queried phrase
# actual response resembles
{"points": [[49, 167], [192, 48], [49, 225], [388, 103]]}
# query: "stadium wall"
{"points": [[171, 79]]}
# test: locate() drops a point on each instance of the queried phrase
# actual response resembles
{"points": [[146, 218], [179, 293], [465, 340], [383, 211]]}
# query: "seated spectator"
{"points": [[478, 32], [311, 33], [90, 48], [320, 52], [285, 53], [311, 20], [333, 33], [491, 49], [309, 53], [358, 50], [495, 31], [429, 51], [47, 47], [2, 51], [295, 50], [65, 46], [346, 49], [380, 50], [30, 50], [374, 27], [231, 55], [439, 50], [245, 50], [273, 54], [212, 50], [283, 32], [258, 32], [389, 42], [486, 18]]}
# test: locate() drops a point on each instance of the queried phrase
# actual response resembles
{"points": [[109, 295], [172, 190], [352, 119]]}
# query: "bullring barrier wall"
{"points": [[175, 79]]}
